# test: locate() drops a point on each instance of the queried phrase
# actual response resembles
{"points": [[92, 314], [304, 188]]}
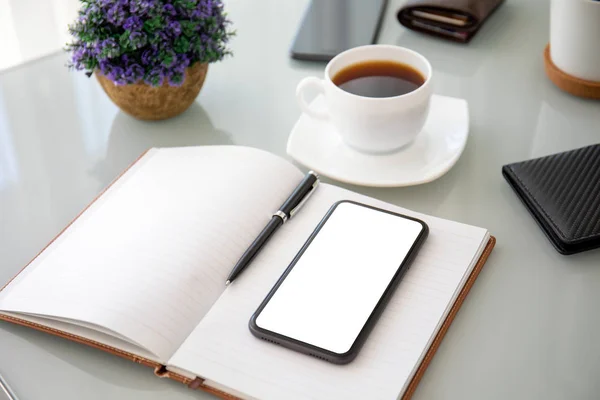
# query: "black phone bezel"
{"points": [[324, 354]]}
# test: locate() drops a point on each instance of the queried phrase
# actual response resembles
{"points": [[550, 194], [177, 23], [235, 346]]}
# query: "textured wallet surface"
{"points": [[562, 192], [457, 20]]}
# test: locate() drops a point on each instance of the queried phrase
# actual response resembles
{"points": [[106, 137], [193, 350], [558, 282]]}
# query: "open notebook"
{"points": [[140, 273]]}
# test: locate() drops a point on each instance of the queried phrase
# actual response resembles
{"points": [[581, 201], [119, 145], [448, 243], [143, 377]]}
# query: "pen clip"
{"points": [[312, 190]]}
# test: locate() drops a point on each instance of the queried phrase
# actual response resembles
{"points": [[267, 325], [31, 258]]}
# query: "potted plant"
{"points": [[150, 56]]}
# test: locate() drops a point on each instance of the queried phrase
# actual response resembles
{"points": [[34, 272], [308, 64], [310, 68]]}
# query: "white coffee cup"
{"points": [[372, 124]]}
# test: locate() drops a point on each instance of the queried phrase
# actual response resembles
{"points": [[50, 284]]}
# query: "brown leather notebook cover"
{"points": [[457, 20], [198, 383]]}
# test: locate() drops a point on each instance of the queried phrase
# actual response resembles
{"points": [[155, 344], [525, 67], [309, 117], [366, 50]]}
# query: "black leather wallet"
{"points": [[562, 192]]}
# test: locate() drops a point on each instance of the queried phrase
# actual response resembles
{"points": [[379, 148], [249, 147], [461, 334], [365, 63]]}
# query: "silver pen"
{"points": [[6, 389]]}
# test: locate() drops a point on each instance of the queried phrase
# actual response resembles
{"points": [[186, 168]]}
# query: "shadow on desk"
{"points": [[130, 137]]}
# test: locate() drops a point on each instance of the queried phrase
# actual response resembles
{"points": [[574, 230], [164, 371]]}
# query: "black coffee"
{"points": [[378, 79]]}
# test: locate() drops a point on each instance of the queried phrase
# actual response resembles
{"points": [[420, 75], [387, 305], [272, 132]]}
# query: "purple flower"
{"points": [[163, 36], [147, 57], [138, 39], [108, 48], [147, 5], [116, 15], [112, 72], [89, 11], [198, 13], [134, 73], [155, 77], [170, 10], [133, 24], [135, 7], [183, 61], [175, 28], [176, 79], [80, 56]]}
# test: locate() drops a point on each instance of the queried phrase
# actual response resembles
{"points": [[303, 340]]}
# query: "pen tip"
{"points": [[227, 282]]}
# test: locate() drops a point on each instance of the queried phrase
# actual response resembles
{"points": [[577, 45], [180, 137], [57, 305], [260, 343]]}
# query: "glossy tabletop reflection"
{"points": [[529, 328]]}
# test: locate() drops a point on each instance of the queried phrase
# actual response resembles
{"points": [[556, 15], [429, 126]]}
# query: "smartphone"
{"points": [[332, 26], [331, 295]]}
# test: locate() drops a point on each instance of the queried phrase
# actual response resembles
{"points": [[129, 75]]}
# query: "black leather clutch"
{"points": [[562, 192]]}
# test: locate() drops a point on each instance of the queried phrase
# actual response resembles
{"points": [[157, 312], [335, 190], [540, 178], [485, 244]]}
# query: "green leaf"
{"points": [[167, 60], [124, 39], [210, 22], [188, 27], [190, 5], [152, 24], [181, 45], [177, 78]]}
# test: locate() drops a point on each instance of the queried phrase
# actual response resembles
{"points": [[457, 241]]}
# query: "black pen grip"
{"points": [[299, 194], [255, 247]]}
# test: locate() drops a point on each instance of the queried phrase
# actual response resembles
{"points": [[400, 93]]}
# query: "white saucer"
{"points": [[317, 145]]}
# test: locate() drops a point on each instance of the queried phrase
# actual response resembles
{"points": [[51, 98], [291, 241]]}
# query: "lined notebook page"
{"points": [[223, 351], [151, 256]]}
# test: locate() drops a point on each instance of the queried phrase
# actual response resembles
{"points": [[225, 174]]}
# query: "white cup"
{"points": [[372, 124], [574, 36]]}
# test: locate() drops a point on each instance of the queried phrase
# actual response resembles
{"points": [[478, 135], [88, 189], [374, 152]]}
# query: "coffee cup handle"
{"points": [[307, 83]]}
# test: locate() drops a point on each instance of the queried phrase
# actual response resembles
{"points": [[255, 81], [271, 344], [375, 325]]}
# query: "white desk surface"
{"points": [[529, 328]]}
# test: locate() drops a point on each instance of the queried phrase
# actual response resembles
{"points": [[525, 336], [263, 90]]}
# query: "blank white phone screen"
{"points": [[332, 290]]}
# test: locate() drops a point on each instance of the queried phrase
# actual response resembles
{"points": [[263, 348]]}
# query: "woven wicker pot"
{"points": [[154, 103]]}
